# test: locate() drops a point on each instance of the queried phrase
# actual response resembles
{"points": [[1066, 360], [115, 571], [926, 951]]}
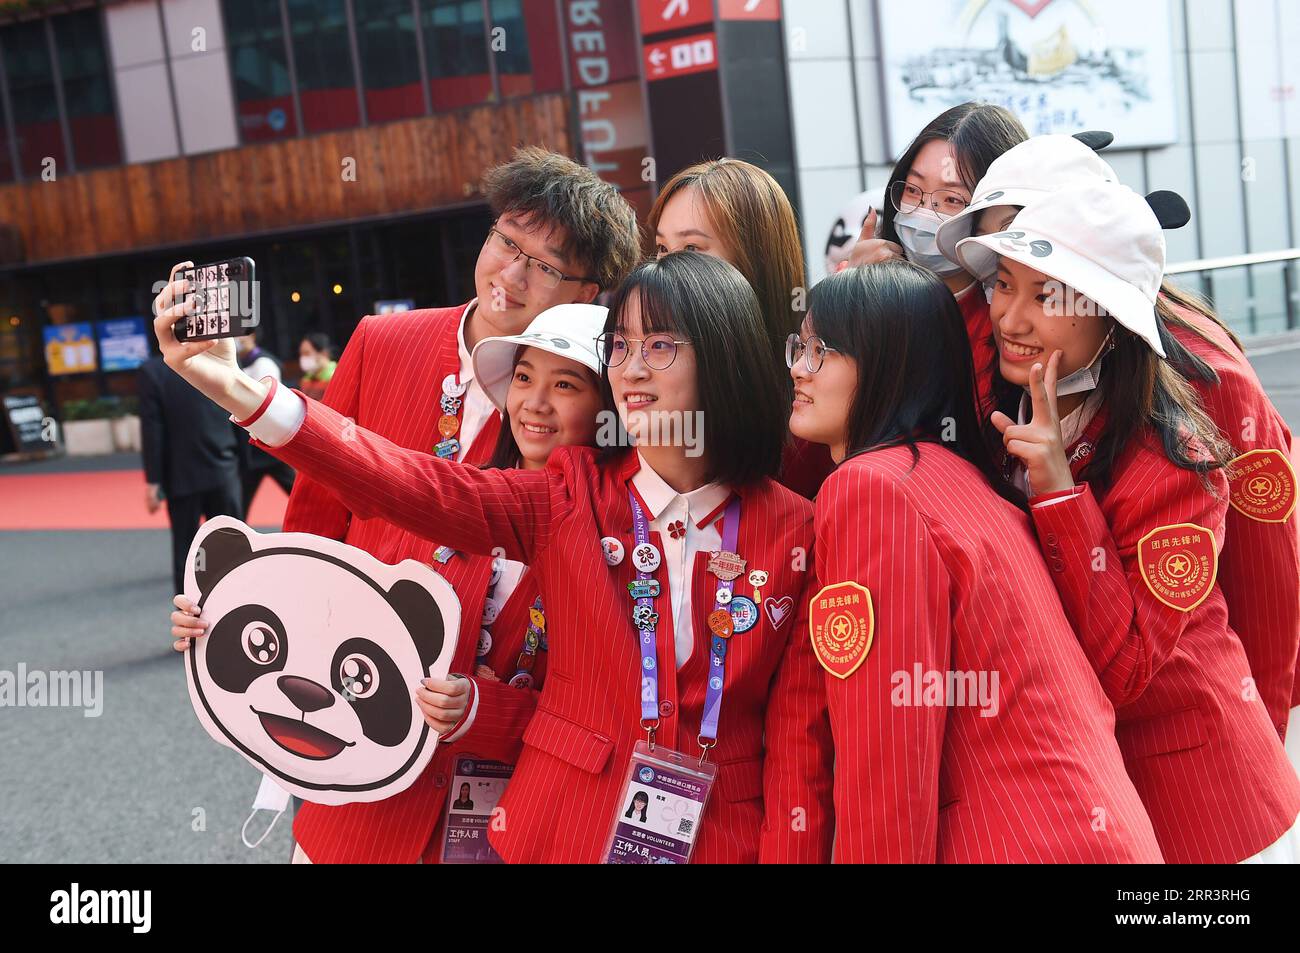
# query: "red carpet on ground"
{"points": [[112, 499]]}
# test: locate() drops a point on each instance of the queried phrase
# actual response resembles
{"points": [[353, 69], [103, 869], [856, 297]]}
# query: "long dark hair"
{"points": [[978, 132], [903, 327], [1140, 390], [645, 803], [706, 301], [506, 455]]}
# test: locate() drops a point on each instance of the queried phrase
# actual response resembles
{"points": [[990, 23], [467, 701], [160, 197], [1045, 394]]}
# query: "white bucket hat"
{"points": [[1021, 176], [569, 330], [1100, 238]]}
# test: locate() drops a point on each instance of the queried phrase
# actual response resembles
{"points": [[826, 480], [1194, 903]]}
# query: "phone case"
{"points": [[225, 296]]}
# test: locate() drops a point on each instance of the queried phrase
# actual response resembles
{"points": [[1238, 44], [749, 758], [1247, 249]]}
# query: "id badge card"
{"points": [[476, 787], [658, 815]]}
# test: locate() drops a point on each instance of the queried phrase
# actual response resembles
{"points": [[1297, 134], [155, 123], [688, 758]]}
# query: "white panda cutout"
{"points": [[314, 651]]}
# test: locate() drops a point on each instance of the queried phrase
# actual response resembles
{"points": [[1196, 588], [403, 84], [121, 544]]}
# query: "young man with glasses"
{"points": [[561, 236]]}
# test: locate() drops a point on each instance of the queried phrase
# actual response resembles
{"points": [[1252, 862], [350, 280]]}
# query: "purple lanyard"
{"points": [[646, 621]]}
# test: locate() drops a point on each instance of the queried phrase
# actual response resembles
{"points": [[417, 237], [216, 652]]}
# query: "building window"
{"points": [[456, 51], [260, 66], [528, 53], [390, 59], [83, 68], [322, 58], [32, 95]]}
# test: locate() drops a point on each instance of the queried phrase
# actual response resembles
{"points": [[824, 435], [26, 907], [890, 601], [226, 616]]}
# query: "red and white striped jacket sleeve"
{"points": [[313, 508], [1092, 552], [798, 767], [452, 503], [887, 756], [503, 712]]}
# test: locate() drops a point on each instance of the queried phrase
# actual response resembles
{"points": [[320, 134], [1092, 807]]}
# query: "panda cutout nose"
{"points": [[305, 694]]}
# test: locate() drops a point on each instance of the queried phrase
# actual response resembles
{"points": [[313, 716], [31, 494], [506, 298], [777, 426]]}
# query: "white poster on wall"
{"points": [[1059, 65]]}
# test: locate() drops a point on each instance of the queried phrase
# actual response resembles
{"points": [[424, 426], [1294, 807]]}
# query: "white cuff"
{"points": [[1056, 499], [281, 419], [469, 718]]}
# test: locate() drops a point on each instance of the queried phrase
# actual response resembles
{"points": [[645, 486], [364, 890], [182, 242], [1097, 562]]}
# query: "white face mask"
{"points": [[309, 365], [918, 233], [1088, 377]]}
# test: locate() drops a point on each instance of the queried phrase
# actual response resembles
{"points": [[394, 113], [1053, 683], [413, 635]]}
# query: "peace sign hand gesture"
{"points": [[1038, 444]]}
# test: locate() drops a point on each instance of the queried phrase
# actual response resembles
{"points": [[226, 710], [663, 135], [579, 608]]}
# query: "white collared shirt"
{"points": [[476, 408], [666, 508]]}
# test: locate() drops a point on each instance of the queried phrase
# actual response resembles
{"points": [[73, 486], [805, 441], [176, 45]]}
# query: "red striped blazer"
{"points": [[773, 794], [1025, 770], [1197, 740], [1259, 568], [389, 379]]}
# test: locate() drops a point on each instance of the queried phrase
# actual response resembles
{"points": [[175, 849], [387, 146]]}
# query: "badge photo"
{"points": [[842, 623], [1179, 564], [1263, 486], [307, 667]]}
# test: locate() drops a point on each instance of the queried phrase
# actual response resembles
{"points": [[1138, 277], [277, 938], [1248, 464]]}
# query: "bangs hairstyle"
{"points": [[753, 216], [545, 190], [704, 300], [978, 132], [506, 455], [903, 327]]}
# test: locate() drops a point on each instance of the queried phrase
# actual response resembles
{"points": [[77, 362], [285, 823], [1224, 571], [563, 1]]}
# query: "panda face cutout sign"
{"points": [[312, 656]]}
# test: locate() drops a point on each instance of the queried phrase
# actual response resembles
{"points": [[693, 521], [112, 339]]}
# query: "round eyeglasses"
{"points": [[658, 350], [813, 351], [943, 202]]}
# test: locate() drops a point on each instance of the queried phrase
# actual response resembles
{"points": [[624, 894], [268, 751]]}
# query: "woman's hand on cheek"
{"points": [[870, 250], [1038, 444]]}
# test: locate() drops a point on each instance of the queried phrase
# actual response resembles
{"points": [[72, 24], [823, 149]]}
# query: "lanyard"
{"points": [[646, 621], [534, 639]]}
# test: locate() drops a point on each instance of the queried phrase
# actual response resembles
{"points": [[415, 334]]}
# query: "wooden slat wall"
{"points": [[412, 165]]}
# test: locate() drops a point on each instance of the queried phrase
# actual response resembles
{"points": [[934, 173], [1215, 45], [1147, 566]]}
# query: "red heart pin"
{"points": [[1032, 7], [778, 610]]}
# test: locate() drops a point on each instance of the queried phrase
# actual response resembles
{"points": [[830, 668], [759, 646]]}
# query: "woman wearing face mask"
{"points": [[673, 577], [546, 383], [735, 211], [930, 183], [1128, 498], [314, 357], [1261, 553], [916, 539]]}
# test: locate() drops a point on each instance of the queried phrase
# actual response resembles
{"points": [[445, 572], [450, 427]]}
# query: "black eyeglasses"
{"points": [[813, 351], [505, 250]]}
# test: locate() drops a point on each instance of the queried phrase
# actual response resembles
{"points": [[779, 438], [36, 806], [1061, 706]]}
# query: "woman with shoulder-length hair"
{"points": [[733, 210], [968, 725], [673, 576]]}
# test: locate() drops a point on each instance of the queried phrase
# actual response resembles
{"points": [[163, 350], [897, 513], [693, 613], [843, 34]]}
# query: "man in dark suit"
{"points": [[190, 457]]}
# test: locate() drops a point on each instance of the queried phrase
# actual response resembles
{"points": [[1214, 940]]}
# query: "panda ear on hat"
{"points": [[1095, 139], [1170, 208]]}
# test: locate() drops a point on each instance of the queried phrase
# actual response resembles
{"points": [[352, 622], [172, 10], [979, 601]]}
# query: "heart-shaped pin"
{"points": [[1031, 7], [778, 610]]}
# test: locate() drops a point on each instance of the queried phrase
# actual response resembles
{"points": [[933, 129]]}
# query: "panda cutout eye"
{"points": [[359, 676], [261, 644]]}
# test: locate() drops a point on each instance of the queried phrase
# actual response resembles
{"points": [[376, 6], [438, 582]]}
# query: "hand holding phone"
{"points": [[221, 299]]}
